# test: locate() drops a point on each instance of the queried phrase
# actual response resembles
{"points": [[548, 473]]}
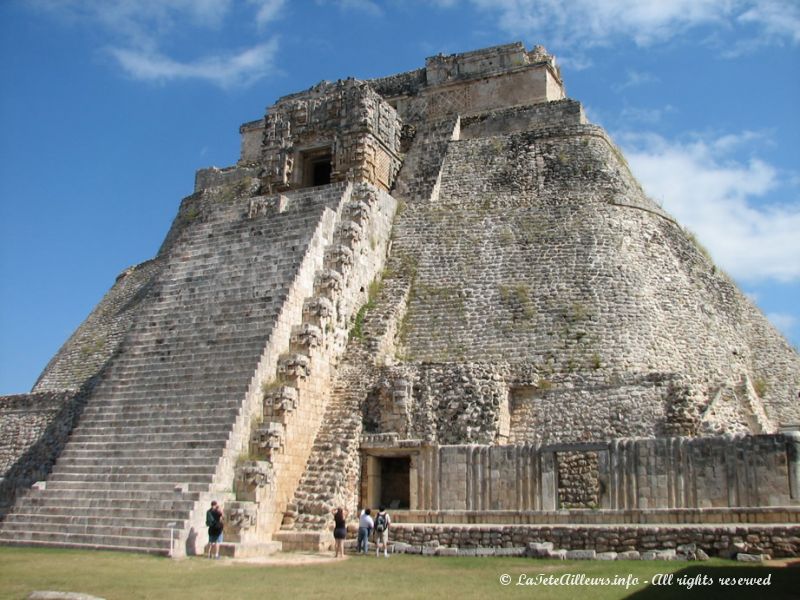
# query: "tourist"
{"points": [[214, 523], [382, 523], [365, 525], [339, 530]]}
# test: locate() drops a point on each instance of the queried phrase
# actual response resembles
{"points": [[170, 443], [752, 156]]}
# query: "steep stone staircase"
{"points": [[298, 396], [334, 457], [419, 176], [149, 445]]}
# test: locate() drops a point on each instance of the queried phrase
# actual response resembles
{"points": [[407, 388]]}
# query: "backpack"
{"points": [[381, 522], [214, 522]]}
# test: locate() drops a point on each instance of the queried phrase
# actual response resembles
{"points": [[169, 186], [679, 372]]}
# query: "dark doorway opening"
{"points": [[321, 172], [395, 482], [317, 167]]}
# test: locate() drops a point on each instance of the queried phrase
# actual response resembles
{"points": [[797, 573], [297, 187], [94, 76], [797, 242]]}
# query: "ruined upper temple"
{"points": [[442, 291]]}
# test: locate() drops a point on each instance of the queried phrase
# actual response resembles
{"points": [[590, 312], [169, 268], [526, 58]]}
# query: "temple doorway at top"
{"points": [[317, 167]]}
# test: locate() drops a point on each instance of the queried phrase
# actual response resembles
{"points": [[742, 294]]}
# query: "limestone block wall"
{"points": [[523, 118], [33, 430], [252, 134], [214, 177], [527, 85], [448, 403], [542, 256], [578, 479], [467, 65], [471, 82], [633, 474]]}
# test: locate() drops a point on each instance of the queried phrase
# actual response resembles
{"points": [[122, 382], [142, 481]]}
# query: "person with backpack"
{"points": [[382, 523], [215, 526]]}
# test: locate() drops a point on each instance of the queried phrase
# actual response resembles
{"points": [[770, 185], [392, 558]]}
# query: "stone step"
{"points": [[123, 519], [144, 455], [70, 528], [198, 425], [73, 472], [135, 465], [128, 546], [165, 445], [142, 411], [94, 494], [158, 545], [142, 438], [204, 340], [150, 482], [156, 369], [93, 504], [137, 426], [130, 513]]}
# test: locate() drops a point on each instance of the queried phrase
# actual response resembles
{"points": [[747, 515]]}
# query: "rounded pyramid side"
{"points": [[542, 255]]}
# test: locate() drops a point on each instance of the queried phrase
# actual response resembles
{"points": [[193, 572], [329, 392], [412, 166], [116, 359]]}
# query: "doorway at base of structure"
{"points": [[386, 481]]}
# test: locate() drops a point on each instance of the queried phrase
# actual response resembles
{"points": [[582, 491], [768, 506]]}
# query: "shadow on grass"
{"points": [[724, 582]]}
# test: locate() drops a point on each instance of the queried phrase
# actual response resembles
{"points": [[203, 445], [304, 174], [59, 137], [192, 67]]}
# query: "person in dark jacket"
{"points": [[214, 522]]}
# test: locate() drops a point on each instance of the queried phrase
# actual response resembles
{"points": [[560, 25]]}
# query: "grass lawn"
{"points": [[116, 576]]}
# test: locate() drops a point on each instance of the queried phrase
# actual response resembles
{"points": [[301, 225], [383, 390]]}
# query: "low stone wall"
{"points": [[715, 540], [33, 430]]}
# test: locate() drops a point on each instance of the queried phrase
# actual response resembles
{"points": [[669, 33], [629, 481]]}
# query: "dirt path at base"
{"points": [[285, 559]]}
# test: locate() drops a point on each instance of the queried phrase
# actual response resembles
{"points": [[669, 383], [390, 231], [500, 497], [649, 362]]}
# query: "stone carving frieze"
{"points": [[281, 399], [329, 282], [319, 307], [306, 336], [294, 366]]}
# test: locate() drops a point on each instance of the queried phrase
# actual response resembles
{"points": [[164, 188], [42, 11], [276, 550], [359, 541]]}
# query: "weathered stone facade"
{"points": [[620, 475], [442, 291], [33, 430]]}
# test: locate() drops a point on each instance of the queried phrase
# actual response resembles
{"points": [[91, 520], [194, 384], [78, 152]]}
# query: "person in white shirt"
{"points": [[365, 525]]}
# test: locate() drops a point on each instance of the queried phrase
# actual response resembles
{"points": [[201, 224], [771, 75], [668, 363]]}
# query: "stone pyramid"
{"points": [[441, 290]]}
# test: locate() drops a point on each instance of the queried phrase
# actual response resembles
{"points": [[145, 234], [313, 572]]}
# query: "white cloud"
{"points": [[576, 62], [145, 24], [140, 20], [225, 71], [645, 115], [716, 197], [777, 19], [635, 79], [268, 10], [364, 6], [578, 24]]}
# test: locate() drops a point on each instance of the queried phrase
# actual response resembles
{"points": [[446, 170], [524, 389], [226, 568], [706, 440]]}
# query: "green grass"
{"points": [[121, 576]]}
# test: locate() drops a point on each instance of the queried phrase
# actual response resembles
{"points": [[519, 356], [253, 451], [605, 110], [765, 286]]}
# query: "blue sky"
{"points": [[107, 107]]}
